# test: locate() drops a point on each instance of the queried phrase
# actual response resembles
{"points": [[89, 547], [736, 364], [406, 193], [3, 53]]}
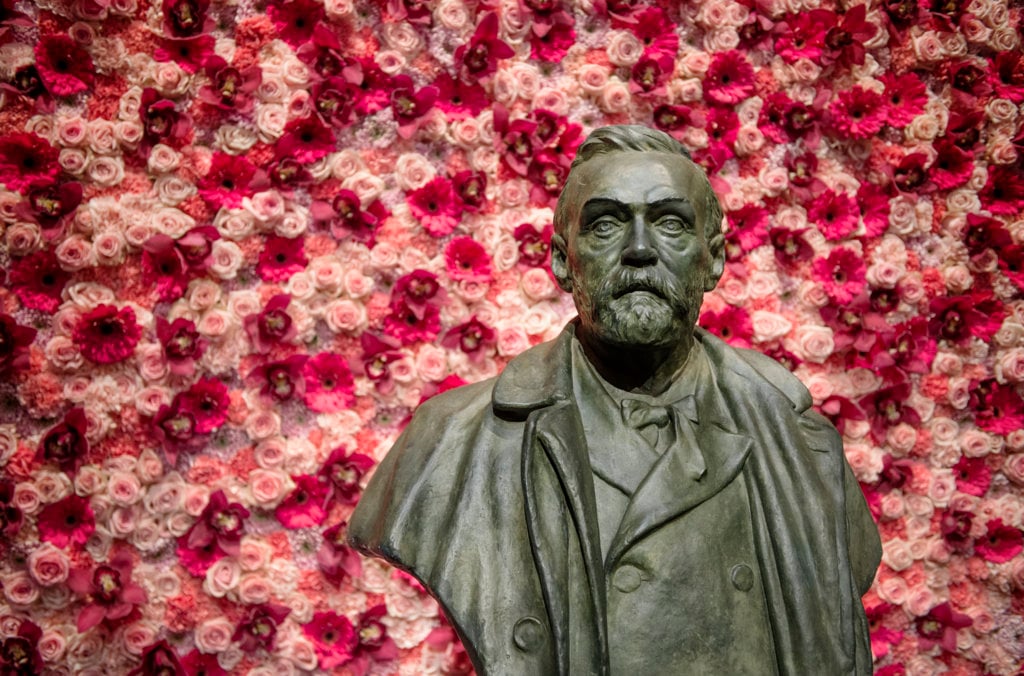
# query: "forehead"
{"points": [[636, 177]]}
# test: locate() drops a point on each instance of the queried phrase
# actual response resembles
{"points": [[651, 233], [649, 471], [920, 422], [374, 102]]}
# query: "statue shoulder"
{"points": [[757, 368]]}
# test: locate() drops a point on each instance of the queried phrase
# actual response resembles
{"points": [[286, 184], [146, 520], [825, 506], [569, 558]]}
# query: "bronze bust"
{"points": [[636, 496]]}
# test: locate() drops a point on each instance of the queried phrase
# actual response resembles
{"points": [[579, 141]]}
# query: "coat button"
{"points": [[627, 579], [742, 577], [528, 634]]}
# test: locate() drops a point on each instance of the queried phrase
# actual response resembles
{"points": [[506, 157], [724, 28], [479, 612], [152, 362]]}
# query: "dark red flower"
{"points": [[409, 104], [842, 274], [64, 66], [984, 233], [174, 426], [551, 40], [19, 654], [220, 525], [196, 247], [952, 166], [185, 18], [28, 86], [997, 408], [653, 27], [416, 289], [413, 323], [66, 444], [304, 507], [467, 260], [783, 120], [857, 113], [436, 207], [1001, 543], [287, 173], [750, 224], [534, 244], [344, 472], [229, 180], [182, 344], [207, 402], [346, 218], [306, 140], [295, 19], [338, 562], [27, 160], [911, 176], [839, 411], [906, 348], [374, 643], [895, 473], [161, 121], [458, 99], [887, 408], [964, 127], [1006, 74], [672, 118], [729, 78], [258, 629], [280, 381], [106, 334], [335, 99], [10, 514], [281, 258], [905, 97], [939, 627], [163, 267], [973, 476], [15, 340], [38, 280], [835, 213], [67, 521], [191, 53], [329, 383], [958, 318], [955, 526], [50, 204], [375, 363], [874, 208], [791, 246], [271, 327], [732, 325], [334, 638], [1003, 193], [324, 54], [473, 337], [853, 325], [161, 659], [722, 126], [478, 58], [969, 80], [650, 74], [845, 39], [516, 144], [108, 589], [470, 188]]}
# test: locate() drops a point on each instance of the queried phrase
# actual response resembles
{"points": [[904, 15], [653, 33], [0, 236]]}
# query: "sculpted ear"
{"points": [[716, 245], [559, 263]]}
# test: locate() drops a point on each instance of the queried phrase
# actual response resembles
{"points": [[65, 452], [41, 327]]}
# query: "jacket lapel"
{"points": [[670, 488]]}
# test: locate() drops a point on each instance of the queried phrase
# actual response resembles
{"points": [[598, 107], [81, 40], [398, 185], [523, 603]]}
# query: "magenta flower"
{"points": [[904, 98], [64, 67], [66, 443], [839, 411], [750, 224], [1005, 74], [229, 180], [164, 267], [207, 402], [335, 99], [470, 189], [344, 473], [305, 506], [652, 26], [842, 274], [175, 428], [346, 218], [973, 476], [873, 202], [19, 653], [258, 629], [329, 383], [548, 174], [27, 160], [883, 637], [457, 99], [295, 19], [939, 627], [672, 118], [409, 104], [281, 258], [160, 658], [887, 407], [467, 260], [955, 526], [478, 58], [10, 514], [517, 143], [15, 340], [334, 638], [282, 380], [729, 78], [803, 36], [271, 327], [534, 245], [857, 113], [182, 344], [551, 39], [952, 166], [836, 214], [1003, 193], [732, 325], [109, 591], [220, 526], [998, 408], [50, 204], [906, 348], [306, 140], [185, 18], [67, 521], [474, 338], [958, 318], [650, 74], [338, 562], [413, 323], [845, 38], [190, 53], [374, 644], [199, 663], [416, 289], [161, 121], [1001, 543], [106, 334], [229, 88], [436, 207]]}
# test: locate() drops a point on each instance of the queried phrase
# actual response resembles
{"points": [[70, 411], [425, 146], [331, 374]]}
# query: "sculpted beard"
{"points": [[655, 318]]}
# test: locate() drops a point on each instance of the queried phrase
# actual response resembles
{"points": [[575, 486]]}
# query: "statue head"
{"points": [[638, 237]]}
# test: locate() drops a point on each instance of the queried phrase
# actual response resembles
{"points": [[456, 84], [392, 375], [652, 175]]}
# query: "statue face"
{"points": [[635, 255]]}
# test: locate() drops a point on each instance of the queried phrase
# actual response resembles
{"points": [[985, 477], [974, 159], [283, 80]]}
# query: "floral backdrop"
{"points": [[242, 240]]}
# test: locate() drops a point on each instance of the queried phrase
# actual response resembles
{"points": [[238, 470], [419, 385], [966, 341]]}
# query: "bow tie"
{"points": [[638, 414]]}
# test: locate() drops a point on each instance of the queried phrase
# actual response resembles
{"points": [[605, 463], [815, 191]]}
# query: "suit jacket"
{"points": [[488, 499]]}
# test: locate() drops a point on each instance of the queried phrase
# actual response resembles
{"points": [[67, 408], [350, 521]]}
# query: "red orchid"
{"points": [[66, 444], [280, 381], [940, 626], [344, 473], [229, 88], [15, 340], [182, 344], [50, 204], [534, 244], [185, 18], [346, 218], [374, 644], [338, 562], [220, 526], [272, 326], [258, 629], [164, 267], [109, 591], [473, 338], [161, 659], [161, 121], [478, 58], [19, 653], [409, 104]]}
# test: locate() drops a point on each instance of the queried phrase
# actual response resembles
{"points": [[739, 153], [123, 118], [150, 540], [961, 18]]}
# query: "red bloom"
{"points": [[650, 74], [984, 233], [413, 323], [904, 99], [997, 408], [874, 209], [190, 53], [161, 121], [38, 280], [534, 245], [857, 113], [374, 642], [952, 166], [67, 521], [473, 337], [229, 180], [969, 81], [654, 29], [672, 118], [207, 402], [282, 380], [458, 99], [842, 274], [259, 628], [64, 67], [304, 507], [174, 426], [196, 247], [904, 349], [470, 189], [517, 144], [333, 637], [964, 128], [295, 19], [306, 140], [220, 526], [337, 560], [15, 340], [853, 325], [375, 363], [329, 383], [109, 591], [548, 174], [783, 120], [839, 411], [27, 160], [467, 260], [164, 267], [1000, 543], [1003, 194], [973, 476], [281, 258], [160, 658], [750, 223], [182, 344], [958, 318], [911, 176], [887, 408], [344, 473], [939, 626], [229, 88], [346, 218], [409, 104], [271, 327], [846, 37], [19, 654], [722, 126], [50, 204], [107, 335], [416, 289], [553, 43], [436, 207], [803, 36], [729, 78], [836, 214], [10, 514], [478, 58], [1006, 74], [66, 444], [732, 325], [185, 18], [198, 663], [334, 99], [790, 246], [956, 529]]}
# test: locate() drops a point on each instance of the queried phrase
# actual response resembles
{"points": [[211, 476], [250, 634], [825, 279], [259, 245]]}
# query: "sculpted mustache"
{"points": [[627, 281]]}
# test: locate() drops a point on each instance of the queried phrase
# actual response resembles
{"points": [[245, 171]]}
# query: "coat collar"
{"points": [[539, 377]]}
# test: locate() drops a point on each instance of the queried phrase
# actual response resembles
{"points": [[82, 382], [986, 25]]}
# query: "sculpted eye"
{"points": [[604, 227], [672, 225]]}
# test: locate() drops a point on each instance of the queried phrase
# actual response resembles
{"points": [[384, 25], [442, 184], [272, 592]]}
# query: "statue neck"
{"points": [[644, 370]]}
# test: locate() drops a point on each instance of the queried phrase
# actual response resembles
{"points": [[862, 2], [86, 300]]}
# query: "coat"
{"points": [[487, 498]]}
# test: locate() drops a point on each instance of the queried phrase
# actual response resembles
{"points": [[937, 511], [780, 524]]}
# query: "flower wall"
{"points": [[242, 241]]}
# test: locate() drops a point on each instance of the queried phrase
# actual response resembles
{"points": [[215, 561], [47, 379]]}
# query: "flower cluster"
{"points": [[242, 241]]}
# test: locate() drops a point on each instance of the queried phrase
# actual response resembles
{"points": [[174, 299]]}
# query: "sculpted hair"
{"points": [[625, 138]]}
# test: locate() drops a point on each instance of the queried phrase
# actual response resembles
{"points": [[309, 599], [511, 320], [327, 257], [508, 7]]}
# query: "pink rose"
{"points": [[52, 645], [148, 400], [48, 565], [432, 363], [63, 354], [892, 506], [512, 194], [19, 589], [262, 424], [222, 577], [253, 554], [1009, 366], [959, 394], [820, 387], [124, 488], [75, 253], [592, 78], [615, 97], [942, 487], [537, 284], [106, 172], [902, 438], [748, 141], [624, 48], [268, 487], [227, 258], [123, 521], [23, 238], [814, 343], [138, 636], [195, 499], [511, 341], [345, 316], [769, 326], [254, 588], [73, 160], [271, 453], [896, 555], [974, 443]]}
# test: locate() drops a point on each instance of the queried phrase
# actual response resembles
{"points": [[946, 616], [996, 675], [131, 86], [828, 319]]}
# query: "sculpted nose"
{"points": [[639, 251]]}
